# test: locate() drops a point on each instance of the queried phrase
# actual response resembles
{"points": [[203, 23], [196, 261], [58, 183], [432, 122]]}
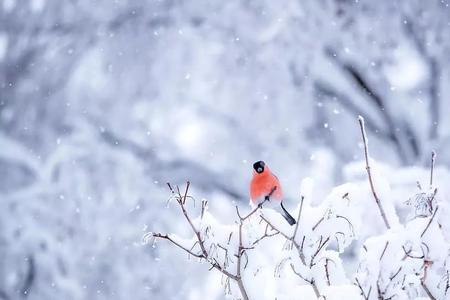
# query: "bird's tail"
{"points": [[287, 216]]}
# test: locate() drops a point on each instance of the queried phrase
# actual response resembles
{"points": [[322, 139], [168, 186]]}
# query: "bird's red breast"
{"points": [[262, 184]]}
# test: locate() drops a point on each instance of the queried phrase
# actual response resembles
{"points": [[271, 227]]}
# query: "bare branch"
{"points": [[241, 248], [408, 254], [205, 254], [366, 297], [395, 274], [366, 154], [298, 218], [170, 188], [167, 237], [349, 223], [384, 250], [265, 235], [318, 223], [424, 278], [298, 274], [204, 205], [297, 246], [311, 282], [327, 274], [181, 201], [321, 245], [276, 229], [299, 249], [266, 198], [433, 157], [429, 223], [186, 191], [425, 288]]}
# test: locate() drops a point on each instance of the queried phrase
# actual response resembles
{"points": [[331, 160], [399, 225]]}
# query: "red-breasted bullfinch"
{"points": [[265, 186]]}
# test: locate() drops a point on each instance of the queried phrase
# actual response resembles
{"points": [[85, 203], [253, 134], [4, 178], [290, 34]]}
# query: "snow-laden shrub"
{"points": [[261, 257]]}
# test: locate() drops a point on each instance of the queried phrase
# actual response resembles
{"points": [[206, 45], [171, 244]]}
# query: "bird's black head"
{"points": [[259, 166]]}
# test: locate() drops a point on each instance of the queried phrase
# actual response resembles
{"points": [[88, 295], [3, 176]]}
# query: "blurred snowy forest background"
{"points": [[102, 102]]}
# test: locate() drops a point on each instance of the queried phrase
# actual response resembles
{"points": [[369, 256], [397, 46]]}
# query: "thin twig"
{"points": [[349, 223], [447, 284], [366, 154], [427, 290], [318, 223], [384, 250], [321, 245], [362, 290], [238, 265], [241, 248], [298, 274], [181, 199], [433, 157], [204, 205], [395, 274], [167, 237], [431, 199], [196, 232], [298, 218], [408, 254], [276, 229], [429, 223], [266, 198], [311, 282], [266, 235], [186, 191], [423, 279], [380, 293], [170, 188], [327, 274], [289, 238]]}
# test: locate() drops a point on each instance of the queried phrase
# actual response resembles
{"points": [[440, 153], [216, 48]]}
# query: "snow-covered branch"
{"points": [[209, 253], [402, 260]]}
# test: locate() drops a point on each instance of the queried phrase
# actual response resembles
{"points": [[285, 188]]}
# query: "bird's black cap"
{"points": [[259, 166]]}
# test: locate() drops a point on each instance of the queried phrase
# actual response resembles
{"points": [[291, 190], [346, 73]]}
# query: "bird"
{"points": [[264, 187]]}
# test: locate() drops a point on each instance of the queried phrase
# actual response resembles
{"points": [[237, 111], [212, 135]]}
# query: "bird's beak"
{"points": [[260, 170]]}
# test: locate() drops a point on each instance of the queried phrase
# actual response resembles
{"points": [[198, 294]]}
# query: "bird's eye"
{"points": [[259, 166]]}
